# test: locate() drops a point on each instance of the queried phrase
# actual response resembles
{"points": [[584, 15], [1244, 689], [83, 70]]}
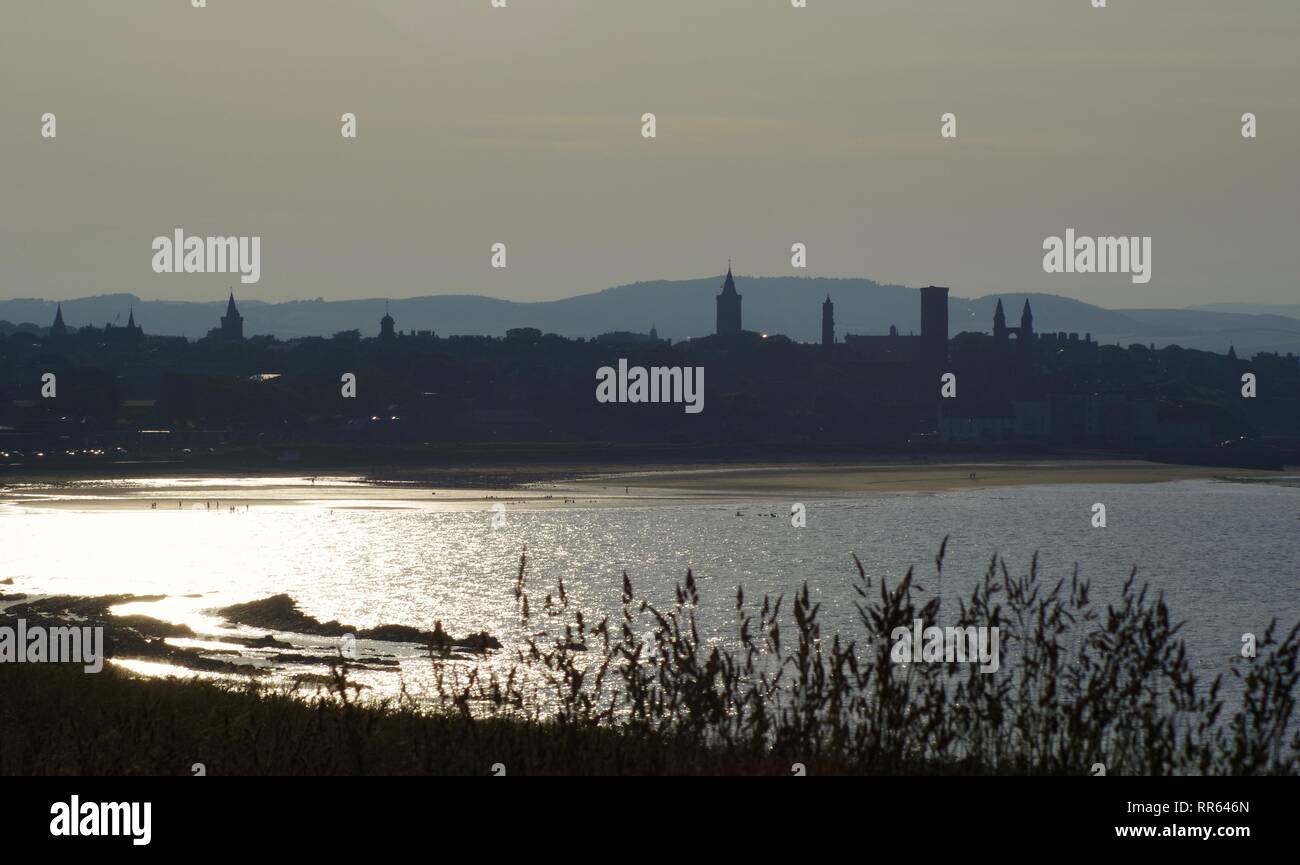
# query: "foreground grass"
{"points": [[58, 720]]}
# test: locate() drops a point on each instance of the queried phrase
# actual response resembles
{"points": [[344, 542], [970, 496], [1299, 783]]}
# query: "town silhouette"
{"points": [[118, 390]]}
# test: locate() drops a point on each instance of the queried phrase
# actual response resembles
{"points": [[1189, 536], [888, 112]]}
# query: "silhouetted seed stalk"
{"points": [[1077, 686]]}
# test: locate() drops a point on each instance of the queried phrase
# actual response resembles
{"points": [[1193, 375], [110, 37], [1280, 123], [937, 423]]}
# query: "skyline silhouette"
{"points": [[1023, 387], [680, 310]]}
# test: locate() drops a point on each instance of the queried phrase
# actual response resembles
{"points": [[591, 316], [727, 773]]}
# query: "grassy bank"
{"points": [[59, 721]]}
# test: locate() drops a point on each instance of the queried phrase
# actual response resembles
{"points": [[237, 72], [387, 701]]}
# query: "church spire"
{"points": [[232, 323], [729, 285], [58, 328], [729, 307]]}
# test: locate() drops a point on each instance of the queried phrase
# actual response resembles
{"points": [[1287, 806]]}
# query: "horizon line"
{"points": [[393, 299]]}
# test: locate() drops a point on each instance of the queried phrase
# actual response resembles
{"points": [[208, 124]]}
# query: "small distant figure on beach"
{"points": [[153, 506]]}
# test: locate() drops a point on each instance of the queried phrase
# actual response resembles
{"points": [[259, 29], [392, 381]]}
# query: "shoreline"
{"points": [[590, 485], [850, 479]]}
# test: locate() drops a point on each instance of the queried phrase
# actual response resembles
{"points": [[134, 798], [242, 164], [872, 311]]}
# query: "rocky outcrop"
{"points": [[281, 613]]}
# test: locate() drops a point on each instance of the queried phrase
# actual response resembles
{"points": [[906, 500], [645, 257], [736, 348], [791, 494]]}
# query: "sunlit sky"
{"points": [[523, 125]]}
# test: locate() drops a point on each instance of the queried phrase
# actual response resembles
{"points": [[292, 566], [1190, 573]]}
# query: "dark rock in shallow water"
{"points": [[264, 642], [398, 634], [281, 613], [95, 607], [133, 636], [326, 660], [151, 627]]}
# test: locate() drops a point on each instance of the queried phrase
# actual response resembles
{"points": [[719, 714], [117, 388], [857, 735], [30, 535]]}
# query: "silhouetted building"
{"points": [[130, 334], [729, 308], [934, 324], [828, 322], [386, 323], [1026, 343], [232, 323], [1024, 334], [626, 337], [58, 328], [928, 351]]}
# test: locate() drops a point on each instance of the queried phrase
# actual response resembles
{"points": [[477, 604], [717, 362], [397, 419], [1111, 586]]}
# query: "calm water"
{"points": [[1226, 555]]}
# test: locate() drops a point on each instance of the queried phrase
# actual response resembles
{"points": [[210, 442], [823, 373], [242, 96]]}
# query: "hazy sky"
{"points": [[523, 125]]}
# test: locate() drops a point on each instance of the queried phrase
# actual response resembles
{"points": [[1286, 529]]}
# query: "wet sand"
{"points": [[905, 477], [602, 487]]}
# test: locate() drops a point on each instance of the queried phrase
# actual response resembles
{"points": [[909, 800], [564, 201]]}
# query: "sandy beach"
{"points": [[845, 479], [596, 485]]}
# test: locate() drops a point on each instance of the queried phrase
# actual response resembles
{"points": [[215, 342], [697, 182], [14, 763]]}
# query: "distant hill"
{"points": [[1291, 310], [682, 309]]}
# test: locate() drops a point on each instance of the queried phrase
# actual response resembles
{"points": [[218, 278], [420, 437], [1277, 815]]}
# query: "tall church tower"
{"points": [[729, 308], [934, 324], [828, 323], [58, 328], [232, 323], [1025, 337]]}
